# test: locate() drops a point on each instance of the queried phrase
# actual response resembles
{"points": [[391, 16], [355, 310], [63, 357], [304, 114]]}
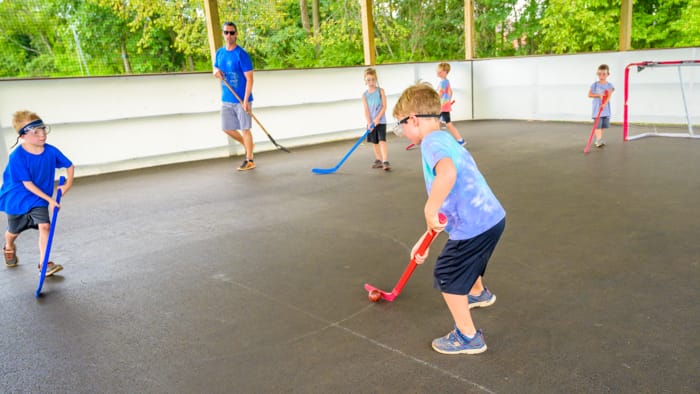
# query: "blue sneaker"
{"points": [[486, 298], [457, 343]]}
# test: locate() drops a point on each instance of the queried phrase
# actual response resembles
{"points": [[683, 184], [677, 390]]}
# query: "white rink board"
{"points": [[109, 124]]}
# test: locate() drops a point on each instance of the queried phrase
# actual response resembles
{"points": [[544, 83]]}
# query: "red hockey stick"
{"points": [[375, 294], [603, 103]]}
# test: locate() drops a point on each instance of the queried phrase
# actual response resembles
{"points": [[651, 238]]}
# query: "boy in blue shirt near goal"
{"points": [[27, 186], [475, 218], [597, 92]]}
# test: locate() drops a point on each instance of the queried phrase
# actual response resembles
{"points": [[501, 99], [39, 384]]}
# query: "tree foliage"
{"points": [[40, 38]]}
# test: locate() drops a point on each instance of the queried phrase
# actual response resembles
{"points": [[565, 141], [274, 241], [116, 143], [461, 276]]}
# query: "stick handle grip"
{"points": [[61, 182]]}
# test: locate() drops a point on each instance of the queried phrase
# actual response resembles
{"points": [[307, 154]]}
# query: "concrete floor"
{"points": [[196, 278]]}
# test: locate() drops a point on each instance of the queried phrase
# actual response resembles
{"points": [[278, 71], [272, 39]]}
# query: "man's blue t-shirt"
{"points": [[23, 166], [471, 207], [233, 64], [600, 88]]}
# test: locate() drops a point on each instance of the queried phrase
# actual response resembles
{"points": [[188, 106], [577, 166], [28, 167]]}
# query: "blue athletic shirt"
{"points": [[15, 199], [374, 103], [600, 88], [233, 64], [471, 207]]}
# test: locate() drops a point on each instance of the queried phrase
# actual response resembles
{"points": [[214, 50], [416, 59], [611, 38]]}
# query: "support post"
{"points": [[211, 12], [368, 32], [626, 25], [468, 29]]}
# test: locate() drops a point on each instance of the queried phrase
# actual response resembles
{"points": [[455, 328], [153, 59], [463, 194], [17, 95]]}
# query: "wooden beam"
{"points": [[468, 29], [368, 32], [211, 13], [626, 25]]}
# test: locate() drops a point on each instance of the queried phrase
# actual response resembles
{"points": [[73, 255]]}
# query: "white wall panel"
{"points": [[116, 123]]}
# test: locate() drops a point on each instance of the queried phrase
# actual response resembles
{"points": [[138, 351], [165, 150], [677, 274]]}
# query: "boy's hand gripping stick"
{"points": [[375, 293]]}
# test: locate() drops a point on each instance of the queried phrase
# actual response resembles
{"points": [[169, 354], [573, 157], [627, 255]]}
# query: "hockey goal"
{"points": [[662, 99]]}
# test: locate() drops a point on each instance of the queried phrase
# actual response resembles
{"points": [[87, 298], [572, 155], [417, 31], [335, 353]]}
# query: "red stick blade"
{"points": [[385, 295]]}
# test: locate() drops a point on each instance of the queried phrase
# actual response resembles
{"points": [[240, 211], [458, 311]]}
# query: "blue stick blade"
{"points": [[323, 170]]}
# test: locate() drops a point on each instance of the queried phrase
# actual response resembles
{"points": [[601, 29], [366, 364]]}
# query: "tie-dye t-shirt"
{"points": [[471, 207], [444, 92]]}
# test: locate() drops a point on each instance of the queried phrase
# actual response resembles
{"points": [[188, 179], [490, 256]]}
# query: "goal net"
{"points": [[662, 99]]}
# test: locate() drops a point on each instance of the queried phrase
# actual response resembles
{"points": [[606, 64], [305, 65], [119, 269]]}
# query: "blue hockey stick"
{"points": [[61, 182], [340, 163]]}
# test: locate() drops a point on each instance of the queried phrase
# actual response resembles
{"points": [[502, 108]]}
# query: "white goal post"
{"points": [[640, 66]]}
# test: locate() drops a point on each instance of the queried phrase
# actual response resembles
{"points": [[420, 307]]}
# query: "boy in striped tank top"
{"points": [[374, 103]]}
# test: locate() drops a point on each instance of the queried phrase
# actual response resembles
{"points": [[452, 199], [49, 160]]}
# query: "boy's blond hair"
{"points": [[444, 67], [371, 71], [420, 98], [21, 118]]}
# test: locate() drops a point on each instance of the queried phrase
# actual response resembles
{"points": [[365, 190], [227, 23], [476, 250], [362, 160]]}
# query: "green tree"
{"points": [[33, 40], [494, 25], [570, 26], [526, 33], [666, 23]]}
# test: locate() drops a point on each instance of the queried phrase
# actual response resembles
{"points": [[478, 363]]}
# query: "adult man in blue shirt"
{"points": [[234, 64]]}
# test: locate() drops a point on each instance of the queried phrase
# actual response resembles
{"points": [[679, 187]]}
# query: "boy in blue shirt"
{"points": [[597, 92], [27, 186], [475, 218]]}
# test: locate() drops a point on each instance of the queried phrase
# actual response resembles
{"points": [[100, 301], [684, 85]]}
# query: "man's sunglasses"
{"points": [[233, 33]]}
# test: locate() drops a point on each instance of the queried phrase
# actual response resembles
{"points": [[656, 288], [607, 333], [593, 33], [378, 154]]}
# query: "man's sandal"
{"points": [[11, 259], [52, 268]]}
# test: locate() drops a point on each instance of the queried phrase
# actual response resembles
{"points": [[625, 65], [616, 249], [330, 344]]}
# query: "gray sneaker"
{"points": [[377, 164], [457, 343], [600, 143], [486, 298]]}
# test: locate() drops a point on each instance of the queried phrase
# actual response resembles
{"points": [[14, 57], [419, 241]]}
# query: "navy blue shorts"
{"points": [[604, 122], [462, 262], [445, 117], [377, 134]]}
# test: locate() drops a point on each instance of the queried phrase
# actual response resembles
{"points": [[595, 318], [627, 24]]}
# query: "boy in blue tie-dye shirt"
{"points": [[475, 218]]}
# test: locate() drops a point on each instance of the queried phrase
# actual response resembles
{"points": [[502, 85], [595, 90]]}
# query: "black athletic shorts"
{"points": [[378, 134], [462, 262], [604, 122], [445, 117], [32, 219]]}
